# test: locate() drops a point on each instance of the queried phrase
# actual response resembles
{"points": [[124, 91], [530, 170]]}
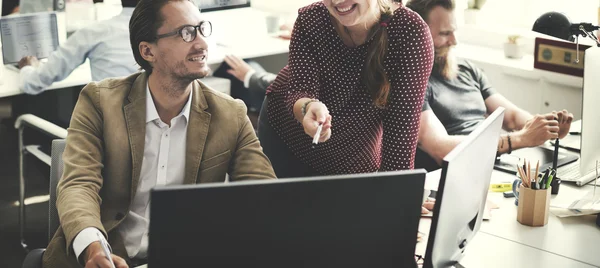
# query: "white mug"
{"points": [[273, 23]]}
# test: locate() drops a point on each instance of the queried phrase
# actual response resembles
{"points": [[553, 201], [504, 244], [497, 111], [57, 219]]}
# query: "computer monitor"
{"points": [[366, 220], [34, 6], [33, 34], [462, 193], [214, 5], [590, 142]]}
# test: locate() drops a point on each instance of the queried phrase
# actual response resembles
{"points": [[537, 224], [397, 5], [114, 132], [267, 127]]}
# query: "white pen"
{"points": [[318, 134], [105, 249]]}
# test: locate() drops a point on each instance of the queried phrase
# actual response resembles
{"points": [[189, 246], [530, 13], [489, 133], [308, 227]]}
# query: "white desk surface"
{"points": [[10, 80], [576, 238], [486, 250], [264, 46]]}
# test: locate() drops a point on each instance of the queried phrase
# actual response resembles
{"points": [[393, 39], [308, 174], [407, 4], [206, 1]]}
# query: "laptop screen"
{"points": [[28, 35]]}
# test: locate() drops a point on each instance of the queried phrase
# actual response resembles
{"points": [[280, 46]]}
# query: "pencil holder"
{"points": [[533, 208]]}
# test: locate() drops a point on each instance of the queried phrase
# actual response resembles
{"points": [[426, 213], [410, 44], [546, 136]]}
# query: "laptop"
{"points": [[366, 220], [462, 194], [583, 171], [509, 162], [23, 35]]}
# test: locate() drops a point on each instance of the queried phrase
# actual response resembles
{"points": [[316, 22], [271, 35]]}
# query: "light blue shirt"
{"points": [[105, 43]]}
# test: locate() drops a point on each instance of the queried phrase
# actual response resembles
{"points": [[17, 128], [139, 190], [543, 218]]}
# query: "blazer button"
{"points": [[119, 216]]}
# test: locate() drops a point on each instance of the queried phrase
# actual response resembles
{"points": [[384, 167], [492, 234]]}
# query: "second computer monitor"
{"points": [[33, 34], [462, 193], [590, 121], [214, 5]]}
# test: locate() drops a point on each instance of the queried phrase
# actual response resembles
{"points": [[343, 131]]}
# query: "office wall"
{"points": [[286, 8]]}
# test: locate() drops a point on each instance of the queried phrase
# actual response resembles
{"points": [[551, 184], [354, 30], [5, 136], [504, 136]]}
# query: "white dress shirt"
{"points": [[163, 164], [105, 43], [247, 78]]}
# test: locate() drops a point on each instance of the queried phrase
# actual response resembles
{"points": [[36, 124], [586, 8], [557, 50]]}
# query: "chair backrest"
{"points": [[56, 171]]}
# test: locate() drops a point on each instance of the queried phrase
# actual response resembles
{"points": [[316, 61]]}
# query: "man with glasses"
{"points": [[157, 127]]}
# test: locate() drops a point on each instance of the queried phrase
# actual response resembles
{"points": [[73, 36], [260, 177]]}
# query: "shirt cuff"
{"points": [[247, 78], [85, 238], [24, 74]]}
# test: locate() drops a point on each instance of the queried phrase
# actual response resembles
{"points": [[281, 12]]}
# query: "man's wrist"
{"points": [[83, 240], [517, 140], [247, 78]]}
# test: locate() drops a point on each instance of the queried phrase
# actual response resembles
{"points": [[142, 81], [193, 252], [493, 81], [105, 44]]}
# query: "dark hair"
{"points": [[374, 76], [143, 26], [423, 7]]}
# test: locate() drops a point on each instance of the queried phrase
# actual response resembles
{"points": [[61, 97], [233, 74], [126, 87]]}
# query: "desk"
{"points": [[576, 238], [486, 250], [10, 80], [265, 46], [573, 238]]}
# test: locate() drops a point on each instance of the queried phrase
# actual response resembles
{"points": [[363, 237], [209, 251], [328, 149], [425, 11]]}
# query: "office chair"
{"points": [[46, 128], [34, 257]]}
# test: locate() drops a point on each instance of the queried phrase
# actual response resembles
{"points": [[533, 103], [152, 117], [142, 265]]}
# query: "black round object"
{"points": [[554, 24]]}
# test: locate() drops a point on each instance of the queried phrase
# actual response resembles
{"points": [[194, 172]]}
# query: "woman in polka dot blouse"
{"points": [[360, 68]]}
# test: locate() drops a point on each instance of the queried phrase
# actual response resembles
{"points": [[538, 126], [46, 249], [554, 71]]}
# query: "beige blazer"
{"points": [[105, 147]]}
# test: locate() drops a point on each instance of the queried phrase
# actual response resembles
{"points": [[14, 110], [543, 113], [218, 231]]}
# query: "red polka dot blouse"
{"points": [[364, 138]]}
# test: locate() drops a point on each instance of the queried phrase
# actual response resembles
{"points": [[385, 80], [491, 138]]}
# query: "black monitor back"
{"points": [[462, 193], [216, 5], [367, 220]]}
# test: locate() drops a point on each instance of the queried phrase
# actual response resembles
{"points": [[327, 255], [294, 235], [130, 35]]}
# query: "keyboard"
{"points": [[12, 67], [15, 66], [571, 142], [571, 173]]}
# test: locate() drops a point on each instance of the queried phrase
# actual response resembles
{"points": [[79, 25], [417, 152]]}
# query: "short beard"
{"points": [[180, 73], [179, 80], [444, 64]]}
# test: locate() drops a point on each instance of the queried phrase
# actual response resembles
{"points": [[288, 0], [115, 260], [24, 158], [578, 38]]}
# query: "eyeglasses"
{"points": [[189, 32]]}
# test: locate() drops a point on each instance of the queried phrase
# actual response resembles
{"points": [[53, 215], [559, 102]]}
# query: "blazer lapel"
{"points": [[197, 132], [135, 117]]}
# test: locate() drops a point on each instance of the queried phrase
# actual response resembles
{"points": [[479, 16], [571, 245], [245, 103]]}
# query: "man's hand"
{"points": [[94, 257], [428, 206], [537, 130], [29, 61], [239, 68], [317, 113], [564, 122], [286, 32]]}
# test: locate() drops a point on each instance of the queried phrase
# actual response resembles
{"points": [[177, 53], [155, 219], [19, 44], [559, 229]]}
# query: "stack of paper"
{"points": [[587, 205]]}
